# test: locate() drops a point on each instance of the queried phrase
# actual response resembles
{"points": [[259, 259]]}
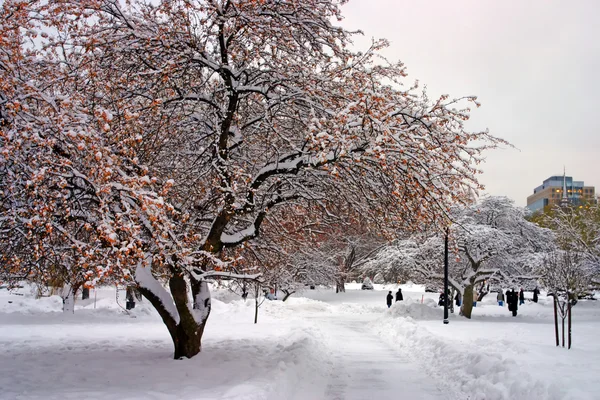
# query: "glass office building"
{"points": [[550, 192]]}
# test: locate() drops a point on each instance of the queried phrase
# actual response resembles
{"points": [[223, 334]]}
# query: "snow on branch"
{"points": [[144, 278]]}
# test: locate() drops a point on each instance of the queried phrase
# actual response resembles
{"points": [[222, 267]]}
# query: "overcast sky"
{"points": [[534, 64]]}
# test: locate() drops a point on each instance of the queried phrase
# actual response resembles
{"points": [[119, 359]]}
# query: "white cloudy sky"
{"points": [[534, 64]]}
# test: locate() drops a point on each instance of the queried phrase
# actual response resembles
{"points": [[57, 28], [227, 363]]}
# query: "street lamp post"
{"points": [[446, 278]]}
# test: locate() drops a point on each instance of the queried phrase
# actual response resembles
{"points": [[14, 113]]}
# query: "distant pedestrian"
{"points": [[399, 296], [535, 294], [513, 302], [500, 298], [521, 297], [475, 297], [389, 299], [457, 298], [442, 299]]}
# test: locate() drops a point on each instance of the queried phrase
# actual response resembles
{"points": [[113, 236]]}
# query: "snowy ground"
{"points": [[320, 346]]}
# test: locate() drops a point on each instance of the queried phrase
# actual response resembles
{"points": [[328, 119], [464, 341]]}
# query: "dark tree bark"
{"points": [[187, 333], [563, 330], [467, 304], [287, 293], [256, 303]]}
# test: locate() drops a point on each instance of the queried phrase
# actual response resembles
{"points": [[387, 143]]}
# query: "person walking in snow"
{"points": [[513, 302], [389, 299], [535, 294], [521, 297], [399, 296], [457, 298], [442, 299], [500, 298]]}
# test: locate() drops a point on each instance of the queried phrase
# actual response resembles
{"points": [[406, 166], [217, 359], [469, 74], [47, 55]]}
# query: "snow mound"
{"points": [[224, 295], [26, 304], [354, 308], [416, 310], [297, 304], [409, 286], [484, 374]]}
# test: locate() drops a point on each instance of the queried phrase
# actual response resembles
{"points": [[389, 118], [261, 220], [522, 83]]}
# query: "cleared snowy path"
{"points": [[365, 367]]}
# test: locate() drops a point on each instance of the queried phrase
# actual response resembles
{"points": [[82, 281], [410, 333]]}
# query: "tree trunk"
{"points": [[256, 304], [287, 294], [340, 285], [68, 298], [187, 332], [467, 303], [256, 310], [563, 330], [344, 269]]}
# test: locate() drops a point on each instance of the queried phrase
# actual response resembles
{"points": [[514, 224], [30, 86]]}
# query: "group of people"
{"points": [[514, 299], [390, 297]]}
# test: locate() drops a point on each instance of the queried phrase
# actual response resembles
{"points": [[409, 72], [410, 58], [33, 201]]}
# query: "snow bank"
{"points": [[303, 305], [27, 304], [470, 367], [408, 286], [296, 305], [415, 310]]}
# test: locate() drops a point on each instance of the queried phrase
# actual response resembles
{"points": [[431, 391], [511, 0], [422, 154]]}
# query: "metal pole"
{"points": [[446, 278], [569, 328]]}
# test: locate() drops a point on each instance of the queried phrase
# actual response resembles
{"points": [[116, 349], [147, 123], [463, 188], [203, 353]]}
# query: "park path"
{"points": [[364, 367]]}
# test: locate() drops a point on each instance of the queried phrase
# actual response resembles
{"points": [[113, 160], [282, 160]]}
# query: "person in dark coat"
{"points": [[535, 294], [442, 299], [508, 302], [457, 298], [399, 296], [513, 302], [389, 299], [521, 297]]}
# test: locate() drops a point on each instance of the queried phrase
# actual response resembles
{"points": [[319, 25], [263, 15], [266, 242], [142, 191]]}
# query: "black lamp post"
{"points": [[446, 278]]}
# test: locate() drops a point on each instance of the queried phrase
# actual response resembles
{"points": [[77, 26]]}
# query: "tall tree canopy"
{"points": [[141, 141]]}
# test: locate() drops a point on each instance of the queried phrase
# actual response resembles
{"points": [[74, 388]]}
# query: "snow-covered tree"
{"points": [[577, 230], [490, 241], [567, 275], [395, 262], [75, 205], [149, 141]]}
